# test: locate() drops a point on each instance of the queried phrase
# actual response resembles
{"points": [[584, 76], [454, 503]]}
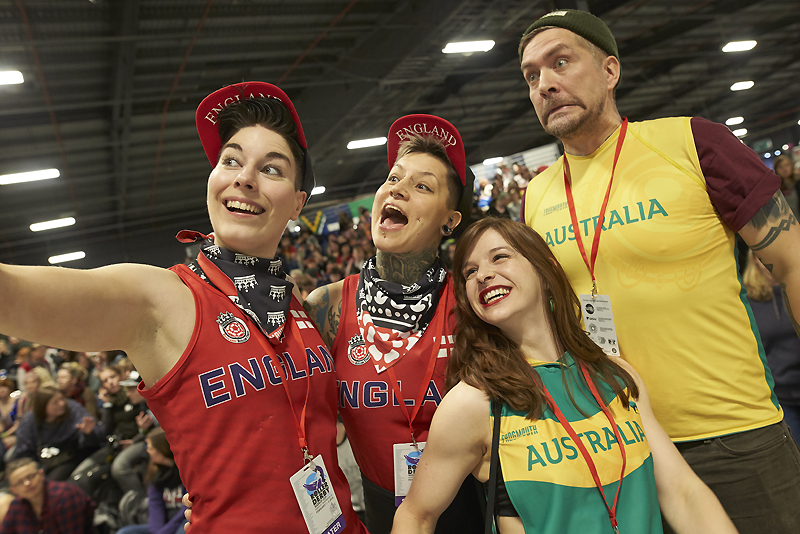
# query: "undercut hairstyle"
{"points": [[18, 464], [486, 359], [270, 113], [433, 146], [40, 400]]}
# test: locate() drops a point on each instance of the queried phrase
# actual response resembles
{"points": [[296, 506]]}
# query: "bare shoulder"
{"points": [[164, 330], [464, 401], [643, 396]]}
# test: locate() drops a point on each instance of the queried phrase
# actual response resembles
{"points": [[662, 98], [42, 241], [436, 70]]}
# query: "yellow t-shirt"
{"points": [[669, 264]]}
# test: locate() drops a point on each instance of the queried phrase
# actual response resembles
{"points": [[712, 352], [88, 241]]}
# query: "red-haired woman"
{"points": [[579, 448]]}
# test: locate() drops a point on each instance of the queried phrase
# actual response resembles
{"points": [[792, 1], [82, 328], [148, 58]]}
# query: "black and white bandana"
{"points": [[393, 317], [258, 286]]}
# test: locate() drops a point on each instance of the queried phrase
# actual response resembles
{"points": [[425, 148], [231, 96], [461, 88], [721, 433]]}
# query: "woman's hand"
{"points": [[144, 420], [188, 513], [87, 425]]}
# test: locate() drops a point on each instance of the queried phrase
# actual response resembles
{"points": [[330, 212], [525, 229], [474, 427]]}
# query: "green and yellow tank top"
{"points": [[549, 482]]}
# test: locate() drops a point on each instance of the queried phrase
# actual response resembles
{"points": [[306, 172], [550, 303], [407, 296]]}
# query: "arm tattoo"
{"points": [[316, 307], [776, 214], [789, 309], [405, 268], [333, 323]]}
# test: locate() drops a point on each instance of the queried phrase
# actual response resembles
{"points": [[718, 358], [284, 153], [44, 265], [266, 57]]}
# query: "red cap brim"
{"points": [[209, 108]]}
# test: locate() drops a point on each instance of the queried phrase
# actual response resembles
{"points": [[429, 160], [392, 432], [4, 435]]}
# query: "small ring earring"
{"points": [[446, 229], [552, 307]]}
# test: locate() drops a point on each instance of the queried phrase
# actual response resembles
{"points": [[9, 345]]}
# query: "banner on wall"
{"points": [[325, 221]]}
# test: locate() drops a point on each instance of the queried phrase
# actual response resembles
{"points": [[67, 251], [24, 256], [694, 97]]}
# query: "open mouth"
{"points": [[392, 218], [494, 294], [234, 206]]}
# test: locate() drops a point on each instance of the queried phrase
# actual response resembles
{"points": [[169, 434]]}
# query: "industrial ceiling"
{"points": [[111, 87]]}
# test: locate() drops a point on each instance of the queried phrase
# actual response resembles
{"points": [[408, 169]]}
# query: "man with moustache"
{"points": [[666, 198]]}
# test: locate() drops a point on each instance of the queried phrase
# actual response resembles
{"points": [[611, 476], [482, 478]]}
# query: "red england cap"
{"points": [[410, 125], [210, 107]]}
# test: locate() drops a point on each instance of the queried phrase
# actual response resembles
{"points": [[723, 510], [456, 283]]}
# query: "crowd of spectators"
{"points": [[87, 403]]}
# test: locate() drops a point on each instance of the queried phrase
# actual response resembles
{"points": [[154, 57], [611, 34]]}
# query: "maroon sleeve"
{"points": [[738, 183]]}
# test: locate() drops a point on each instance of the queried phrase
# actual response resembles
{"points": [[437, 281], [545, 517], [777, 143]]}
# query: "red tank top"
{"points": [[370, 410], [229, 424]]}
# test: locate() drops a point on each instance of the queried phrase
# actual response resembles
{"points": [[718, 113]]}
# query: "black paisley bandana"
{"points": [[393, 317], [258, 286]]}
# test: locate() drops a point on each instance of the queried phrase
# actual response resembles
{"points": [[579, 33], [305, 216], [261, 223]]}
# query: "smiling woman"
{"points": [[529, 388], [211, 339]]}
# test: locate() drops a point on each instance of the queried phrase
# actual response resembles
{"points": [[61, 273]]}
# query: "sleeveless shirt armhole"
{"points": [[154, 389], [346, 302], [503, 504]]}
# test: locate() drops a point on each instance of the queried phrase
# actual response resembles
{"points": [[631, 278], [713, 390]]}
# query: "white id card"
{"points": [[406, 458], [599, 322], [314, 493]]}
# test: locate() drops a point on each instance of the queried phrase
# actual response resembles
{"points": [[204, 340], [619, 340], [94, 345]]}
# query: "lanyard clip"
{"points": [[307, 457], [414, 440], [594, 288], [616, 530]]}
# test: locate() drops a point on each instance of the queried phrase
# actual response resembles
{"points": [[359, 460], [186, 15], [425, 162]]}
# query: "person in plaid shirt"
{"points": [[44, 506]]}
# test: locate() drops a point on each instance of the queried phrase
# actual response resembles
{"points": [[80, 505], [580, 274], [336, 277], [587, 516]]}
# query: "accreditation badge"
{"points": [[599, 322], [406, 457], [314, 492]]}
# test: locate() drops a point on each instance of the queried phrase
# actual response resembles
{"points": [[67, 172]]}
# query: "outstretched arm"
{"points": [[324, 307], [146, 311], [686, 502], [458, 444], [774, 236]]}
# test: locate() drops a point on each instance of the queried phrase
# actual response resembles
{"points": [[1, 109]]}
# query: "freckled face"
{"points": [[411, 206], [251, 194], [503, 288]]}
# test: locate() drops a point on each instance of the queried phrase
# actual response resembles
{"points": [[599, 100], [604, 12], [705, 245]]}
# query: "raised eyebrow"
{"points": [[278, 155], [550, 53]]}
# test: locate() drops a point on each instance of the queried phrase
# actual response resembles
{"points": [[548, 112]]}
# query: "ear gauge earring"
{"points": [[446, 229], [552, 308]]}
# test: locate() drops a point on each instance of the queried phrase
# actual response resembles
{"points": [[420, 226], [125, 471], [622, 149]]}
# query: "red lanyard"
{"points": [[599, 227], [612, 510], [224, 284], [435, 328]]}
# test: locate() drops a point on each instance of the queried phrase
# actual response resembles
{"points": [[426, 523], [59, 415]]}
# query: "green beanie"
{"points": [[581, 23]]}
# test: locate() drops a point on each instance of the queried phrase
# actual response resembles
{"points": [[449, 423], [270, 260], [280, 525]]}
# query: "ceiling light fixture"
{"points": [[742, 86], [739, 46], [767, 155], [22, 177], [741, 132], [733, 121], [467, 47], [61, 258], [364, 143], [11, 77], [317, 190], [49, 225], [785, 147], [492, 161]]}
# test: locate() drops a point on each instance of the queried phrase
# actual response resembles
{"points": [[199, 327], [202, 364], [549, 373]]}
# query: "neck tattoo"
{"points": [[405, 268]]}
